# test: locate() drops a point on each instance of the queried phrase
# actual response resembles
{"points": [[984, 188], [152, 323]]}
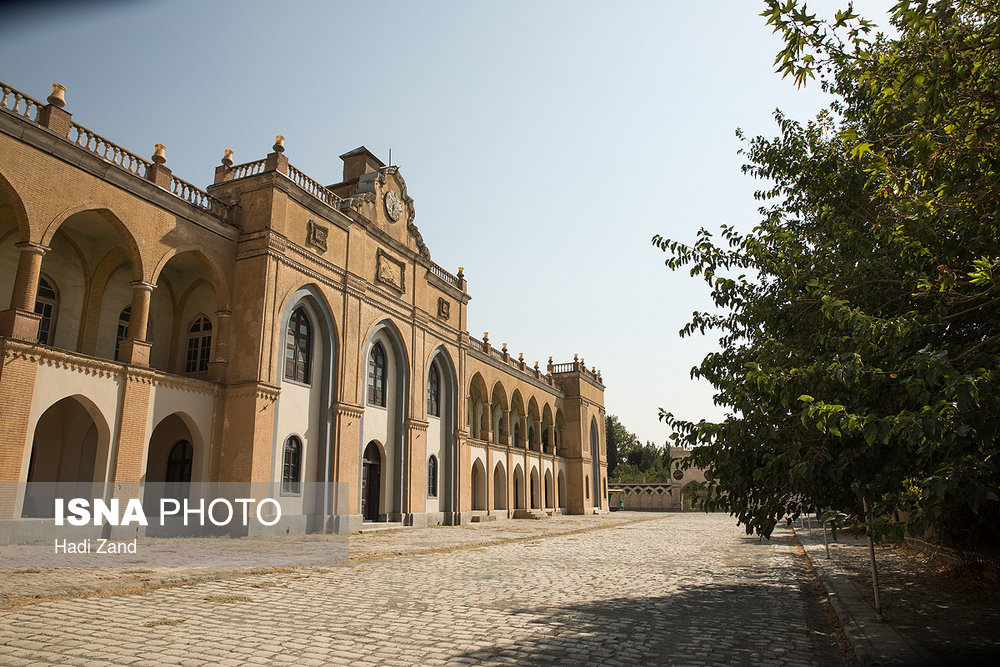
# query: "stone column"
{"points": [[20, 320], [135, 350], [220, 340]]}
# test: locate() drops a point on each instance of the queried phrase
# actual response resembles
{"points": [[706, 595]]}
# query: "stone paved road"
{"points": [[683, 589]]}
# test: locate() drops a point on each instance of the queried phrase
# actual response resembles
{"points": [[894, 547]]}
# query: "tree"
{"points": [[858, 322], [620, 439]]}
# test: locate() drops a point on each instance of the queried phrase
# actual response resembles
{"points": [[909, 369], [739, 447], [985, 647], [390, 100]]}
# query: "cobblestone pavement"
{"points": [[949, 613], [21, 585], [681, 589]]}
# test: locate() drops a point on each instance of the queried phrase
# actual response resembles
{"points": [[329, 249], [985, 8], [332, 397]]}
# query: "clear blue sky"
{"points": [[543, 143]]}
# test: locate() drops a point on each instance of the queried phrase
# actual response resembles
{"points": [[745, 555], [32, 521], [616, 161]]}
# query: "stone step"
{"points": [[480, 518], [381, 526]]}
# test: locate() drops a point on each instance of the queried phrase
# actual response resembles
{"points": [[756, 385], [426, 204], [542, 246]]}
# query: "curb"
{"points": [[874, 641]]}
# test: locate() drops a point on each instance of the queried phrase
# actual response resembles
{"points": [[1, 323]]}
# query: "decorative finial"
{"points": [[461, 272], [58, 96], [504, 347], [520, 357], [550, 358], [575, 358], [486, 336], [227, 158], [159, 154], [279, 144], [536, 365]]}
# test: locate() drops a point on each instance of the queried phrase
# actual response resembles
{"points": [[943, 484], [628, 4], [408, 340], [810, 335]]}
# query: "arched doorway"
{"points": [[518, 488], [69, 448], [595, 454], [534, 489], [549, 499], [371, 482], [499, 487], [478, 486], [562, 489]]}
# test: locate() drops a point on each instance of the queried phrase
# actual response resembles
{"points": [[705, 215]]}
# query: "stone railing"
{"points": [[313, 187], [476, 344], [16, 102], [576, 366], [444, 275], [248, 169], [198, 197], [109, 150]]}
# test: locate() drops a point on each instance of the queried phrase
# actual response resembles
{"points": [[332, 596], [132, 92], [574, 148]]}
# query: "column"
{"points": [[135, 350], [220, 342], [20, 320]]}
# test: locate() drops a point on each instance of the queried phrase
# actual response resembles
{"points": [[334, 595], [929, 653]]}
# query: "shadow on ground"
{"points": [[741, 623]]}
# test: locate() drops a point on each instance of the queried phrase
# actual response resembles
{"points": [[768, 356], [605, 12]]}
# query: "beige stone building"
{"points": [[265, 329]]}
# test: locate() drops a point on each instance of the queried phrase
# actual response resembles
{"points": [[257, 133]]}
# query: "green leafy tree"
{"points": [[859, 322], [620, 440]]}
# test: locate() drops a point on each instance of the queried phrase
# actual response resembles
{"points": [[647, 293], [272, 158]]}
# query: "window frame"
{"points": [[432, 476], [53, 306], [298, 347], [203, 345], [291, 470], [376, 376], [434, 391]]}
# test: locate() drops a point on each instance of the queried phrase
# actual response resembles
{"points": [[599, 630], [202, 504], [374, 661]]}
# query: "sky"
{"points": [[543, 143]]}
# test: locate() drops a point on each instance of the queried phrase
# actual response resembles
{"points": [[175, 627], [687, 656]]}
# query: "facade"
{"points": [[266, 329], [685, 487]]}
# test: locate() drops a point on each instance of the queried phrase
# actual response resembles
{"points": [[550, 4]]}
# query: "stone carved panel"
{"points": [[390, 271], [444, 308], [316, 236]]}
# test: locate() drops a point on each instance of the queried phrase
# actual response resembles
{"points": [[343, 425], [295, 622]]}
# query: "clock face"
{"points": [[393, 205]]}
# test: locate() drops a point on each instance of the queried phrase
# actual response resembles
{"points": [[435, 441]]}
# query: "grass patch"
{"points": [[228, 599], [163, 621]]}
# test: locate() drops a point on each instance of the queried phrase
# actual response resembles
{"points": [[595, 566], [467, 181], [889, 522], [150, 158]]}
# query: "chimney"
{"points": [[358, 162]]}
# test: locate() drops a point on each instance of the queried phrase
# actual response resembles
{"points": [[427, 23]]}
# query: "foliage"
{"points": [[619, 439], [859, 322]]}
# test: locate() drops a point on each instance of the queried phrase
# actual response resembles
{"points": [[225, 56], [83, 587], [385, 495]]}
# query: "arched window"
{"points": [[531, 437], [179, 469], [292, 466], [199, 345], [46, 305], [517, 432], [122, 333], [376, 375], [432, 477], [298, 347], [586, 486], [545, 439], [434, 392]]}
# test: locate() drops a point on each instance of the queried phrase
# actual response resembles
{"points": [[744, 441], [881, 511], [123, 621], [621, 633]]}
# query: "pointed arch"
{"points": [[218, 277], [441, 428], [137, 260], [21, 218]]}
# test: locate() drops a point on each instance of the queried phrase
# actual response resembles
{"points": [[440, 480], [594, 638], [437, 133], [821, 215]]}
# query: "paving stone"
{"points": [[679, 589]]}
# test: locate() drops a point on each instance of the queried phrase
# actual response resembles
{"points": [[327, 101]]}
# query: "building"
{"points": [[265, 329], [682, 492]]}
